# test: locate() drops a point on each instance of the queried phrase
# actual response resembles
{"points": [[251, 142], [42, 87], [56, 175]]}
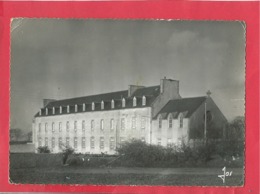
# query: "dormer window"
{"points": [[46, 111], [93, 106], [144, 101], [102, 105], [60, 109], [76, 108], [84, 107], [40, 112], [112, 104], [134, 101], [68, 109], [53, 110], [123, 102]]}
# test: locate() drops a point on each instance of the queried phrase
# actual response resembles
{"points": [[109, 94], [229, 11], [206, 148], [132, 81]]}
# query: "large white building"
{"points": [[100, 123]]}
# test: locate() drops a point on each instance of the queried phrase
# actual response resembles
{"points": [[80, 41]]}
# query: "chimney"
{"points": [[47, 101], [169, 86], [132, 89], [162, 84]]}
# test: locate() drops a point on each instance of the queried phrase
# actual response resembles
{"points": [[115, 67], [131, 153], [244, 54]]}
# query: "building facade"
{"points": [[100, 123]]}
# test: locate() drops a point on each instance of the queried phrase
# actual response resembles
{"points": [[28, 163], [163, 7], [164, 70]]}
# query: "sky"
{"points": [[66, 58]]}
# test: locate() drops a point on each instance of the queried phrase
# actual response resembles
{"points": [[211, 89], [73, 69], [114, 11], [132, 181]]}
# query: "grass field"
{"points": [[122, 176]]}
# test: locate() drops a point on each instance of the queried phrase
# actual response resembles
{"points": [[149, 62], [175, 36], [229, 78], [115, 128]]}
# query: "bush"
{"points": [[66, 152], [43, 149]]}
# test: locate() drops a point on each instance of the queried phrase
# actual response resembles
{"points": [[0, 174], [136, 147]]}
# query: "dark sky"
{"points": [[58, 58]]}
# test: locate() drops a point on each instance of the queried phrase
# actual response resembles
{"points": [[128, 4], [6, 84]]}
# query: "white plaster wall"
{"points": [[117, 133]]}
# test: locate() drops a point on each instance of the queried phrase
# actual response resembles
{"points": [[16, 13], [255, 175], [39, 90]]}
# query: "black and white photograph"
{"points": [[127, 102]]}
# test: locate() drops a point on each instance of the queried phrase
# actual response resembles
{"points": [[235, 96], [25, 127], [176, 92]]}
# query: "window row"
{"points": [[60, 109], [170, 121], [92, 125]]}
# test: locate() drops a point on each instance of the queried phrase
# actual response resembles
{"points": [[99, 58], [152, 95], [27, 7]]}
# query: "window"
{"points": [[40, 127], [60, 126], [46, 141], [53, 110], [46, 111], [144, 101], [123, 102], [83, 125], [92, 142], [112, 124], [112, 143], [169, 142], [101, 143], [102, 105], [93, 106], [68, 126], [170, 121], [60, 142], [60, 109], [53, 127], [159, 141], [67, 141], [84, 107], [92, 125], [134, 101], [122, 140], [68, 109], [102, 125], [133, 122], [83, 143], [143, 139], [75, 142], [46, 127], [112, 104], [40, 141], [75, 126], [181, 120], [53, 142], [123, 124], [160, 122], [143, 122], [76, 108]]}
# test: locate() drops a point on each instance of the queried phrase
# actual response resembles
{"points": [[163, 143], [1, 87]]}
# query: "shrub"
{"points": [[66, 152], [43, 149]]}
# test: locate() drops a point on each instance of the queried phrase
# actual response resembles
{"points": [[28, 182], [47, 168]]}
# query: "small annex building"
{"points": [[100, 123]]}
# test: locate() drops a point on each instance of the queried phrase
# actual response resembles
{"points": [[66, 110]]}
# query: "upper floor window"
{"points": [[143, 122], [83, 125], [92, 106], [75, 125], [170, 121], [53, 110], [123, 123], [144, 101], [53, 127], [67, 125], [134, 101], [60, 109], [112, 124], [84, 107], [46, 110], [40, 127], [133, 122], [160, 121], [102, 124], [92, 125], [68, 109], [112, 104], [76, 108], [102, 105], [181, 121], [123, 102], [60, 126], [46, 127]]}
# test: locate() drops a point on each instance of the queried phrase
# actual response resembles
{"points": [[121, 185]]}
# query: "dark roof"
{"points": [[149, 92], [184, 105]]}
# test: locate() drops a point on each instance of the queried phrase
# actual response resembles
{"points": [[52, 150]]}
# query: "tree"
{"points": [[236, 129], [43, 149], [15, 134]]}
